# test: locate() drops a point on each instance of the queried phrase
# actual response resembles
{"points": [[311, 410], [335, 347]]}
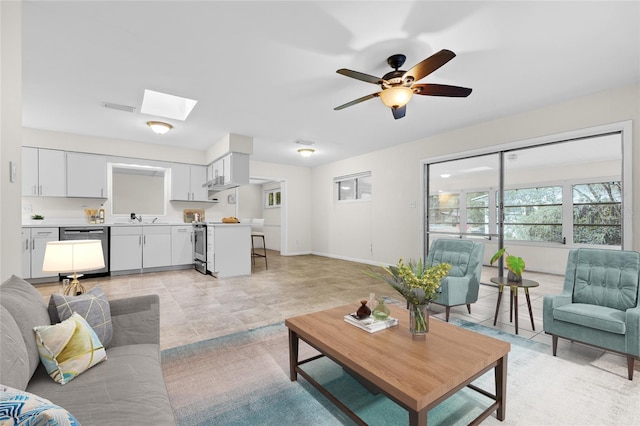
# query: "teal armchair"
{"points": [[462, 284], [599, 303]]}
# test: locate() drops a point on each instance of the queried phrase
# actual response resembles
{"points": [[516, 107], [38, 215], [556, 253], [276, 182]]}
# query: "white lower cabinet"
{"points": [[181, 245], [140, 247], [229, 250], [156, 246], [126, 248], [34, 245]]}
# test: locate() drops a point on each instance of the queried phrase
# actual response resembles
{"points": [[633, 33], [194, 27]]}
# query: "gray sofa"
{"points": [[127, 388]]}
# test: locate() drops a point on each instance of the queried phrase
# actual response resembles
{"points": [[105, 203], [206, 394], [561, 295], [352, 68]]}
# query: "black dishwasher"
{"points": [[90, 233]]}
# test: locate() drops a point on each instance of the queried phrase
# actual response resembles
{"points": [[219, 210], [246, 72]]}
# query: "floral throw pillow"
{"points": [[92, 305], [68, 348], [23, 408]]}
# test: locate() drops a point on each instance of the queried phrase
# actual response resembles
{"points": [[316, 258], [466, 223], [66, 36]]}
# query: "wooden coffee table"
{"points": [[416, 374]]}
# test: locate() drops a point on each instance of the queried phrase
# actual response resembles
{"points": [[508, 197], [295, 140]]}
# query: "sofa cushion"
{"points": [[128, 389], [69, 348], [607, 278], [14, 360], [92, 305], [23, 408], [592, 316], [28, 309]]}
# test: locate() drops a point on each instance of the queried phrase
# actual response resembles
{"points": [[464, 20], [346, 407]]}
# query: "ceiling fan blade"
{"points": [[399, 112], [428, 66], [441, 90], [357, 101], [360, 76]]}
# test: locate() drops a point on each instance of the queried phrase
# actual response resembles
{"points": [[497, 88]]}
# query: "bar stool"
{"points": [[257, 231]]}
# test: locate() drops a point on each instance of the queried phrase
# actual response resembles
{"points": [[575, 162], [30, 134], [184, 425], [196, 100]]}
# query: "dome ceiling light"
{"points": [[159, 127]]}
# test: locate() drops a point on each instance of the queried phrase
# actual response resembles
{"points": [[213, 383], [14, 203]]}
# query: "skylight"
{"points": [[168, 106]]}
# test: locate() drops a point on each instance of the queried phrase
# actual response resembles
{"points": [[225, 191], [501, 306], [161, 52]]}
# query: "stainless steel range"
{"points": [[200, 247]]}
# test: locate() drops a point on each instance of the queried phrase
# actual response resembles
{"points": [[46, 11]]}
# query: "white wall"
{"points": [[10, 136], [391, 223]]}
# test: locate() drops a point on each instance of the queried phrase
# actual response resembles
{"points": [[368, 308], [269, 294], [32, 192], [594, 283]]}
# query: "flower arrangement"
{"points": [[414, 280], [419, 285]]}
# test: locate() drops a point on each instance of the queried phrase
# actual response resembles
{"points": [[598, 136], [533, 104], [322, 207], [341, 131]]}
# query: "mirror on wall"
{"points": [[139, 189]]}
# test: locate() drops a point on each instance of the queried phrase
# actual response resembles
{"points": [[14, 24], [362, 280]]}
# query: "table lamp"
{"points": [[73, 256]]}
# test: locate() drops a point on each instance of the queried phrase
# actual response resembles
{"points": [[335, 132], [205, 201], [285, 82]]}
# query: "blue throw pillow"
{"points": [[23, 408]]}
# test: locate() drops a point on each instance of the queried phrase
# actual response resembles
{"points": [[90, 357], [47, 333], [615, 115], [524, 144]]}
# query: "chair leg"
{"points": [[469, 307], [555, 344], [447, 309], [630, 362]]}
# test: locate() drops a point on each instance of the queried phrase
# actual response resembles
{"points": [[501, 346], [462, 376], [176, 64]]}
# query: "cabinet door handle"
{"points": [[140, 240], [26, 244], [34, 190], [101, 192], [144, 239], [33, 244], [40, 190]]}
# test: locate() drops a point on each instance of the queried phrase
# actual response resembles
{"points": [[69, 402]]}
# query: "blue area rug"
{"points": [[243, 379]]}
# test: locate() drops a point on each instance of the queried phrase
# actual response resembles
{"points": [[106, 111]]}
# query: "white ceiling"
{"points": [[267, 69]]}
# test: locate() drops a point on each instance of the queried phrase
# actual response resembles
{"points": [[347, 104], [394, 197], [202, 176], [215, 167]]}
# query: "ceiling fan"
{"points": [[398, 86]]}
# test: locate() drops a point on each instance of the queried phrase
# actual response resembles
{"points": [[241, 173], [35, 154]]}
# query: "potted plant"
{"points": [[418, 284], [514, 264]]}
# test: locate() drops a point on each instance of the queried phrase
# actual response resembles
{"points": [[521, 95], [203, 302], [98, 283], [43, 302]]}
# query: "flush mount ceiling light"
{"points": [[306, 152], [159, 127], [165, 105]]}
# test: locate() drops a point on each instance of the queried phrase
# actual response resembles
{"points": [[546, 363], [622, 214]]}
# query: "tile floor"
{"points": [[195, 307]]}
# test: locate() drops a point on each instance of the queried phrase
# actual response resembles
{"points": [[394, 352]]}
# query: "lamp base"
{"points": [[74, 288]]}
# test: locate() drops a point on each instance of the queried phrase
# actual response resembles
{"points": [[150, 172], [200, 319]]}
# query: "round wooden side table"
{"points": [[501, 282]]}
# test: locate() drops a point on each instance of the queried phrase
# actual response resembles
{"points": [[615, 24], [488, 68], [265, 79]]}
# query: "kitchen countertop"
{"points": [[57, 224]]}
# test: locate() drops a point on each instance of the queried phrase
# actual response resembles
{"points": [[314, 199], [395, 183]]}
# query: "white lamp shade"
{"points": [[73, 256], [396, 96]]}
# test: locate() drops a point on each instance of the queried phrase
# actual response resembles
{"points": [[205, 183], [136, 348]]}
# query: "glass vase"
{"points": [[381, 311], [419, 320]]}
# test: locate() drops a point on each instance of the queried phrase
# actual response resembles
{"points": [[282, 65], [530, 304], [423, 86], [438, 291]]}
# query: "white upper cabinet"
{"points": [[86, 175], [43, 172], [232, 169], [186, 182]]}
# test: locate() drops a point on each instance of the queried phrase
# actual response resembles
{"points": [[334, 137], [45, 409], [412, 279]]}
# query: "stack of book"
{"points": [[370, 324]]}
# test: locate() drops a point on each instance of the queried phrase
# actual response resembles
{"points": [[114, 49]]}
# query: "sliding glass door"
{"points": [[568, 194]]}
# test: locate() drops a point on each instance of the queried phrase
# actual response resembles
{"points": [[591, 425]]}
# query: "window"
{"points": [[477, 209], [354, 187], [597, 213], [444, 212], [272, 198], [533, 214]]}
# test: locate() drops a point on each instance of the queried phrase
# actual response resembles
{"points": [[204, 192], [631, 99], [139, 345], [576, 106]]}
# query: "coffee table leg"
{"points": [[514, 292], [293, 355], [418, 418], [500, 288], [501, 387], [526, 292]]}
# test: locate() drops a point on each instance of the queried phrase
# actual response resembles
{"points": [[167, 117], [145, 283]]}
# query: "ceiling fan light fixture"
{"points": [[397, 96], [306, 152], [159, 127]]}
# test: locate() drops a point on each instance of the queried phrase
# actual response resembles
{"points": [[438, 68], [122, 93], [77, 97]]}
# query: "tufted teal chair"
{"points": [[461, 285], [599, 302]]}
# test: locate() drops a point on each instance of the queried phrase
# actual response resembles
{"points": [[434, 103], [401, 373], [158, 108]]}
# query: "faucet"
{"points": [[139, 218], [154, 220]]}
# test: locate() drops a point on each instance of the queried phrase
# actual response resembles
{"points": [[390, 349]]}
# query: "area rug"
{"points": [[243, 379]]}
